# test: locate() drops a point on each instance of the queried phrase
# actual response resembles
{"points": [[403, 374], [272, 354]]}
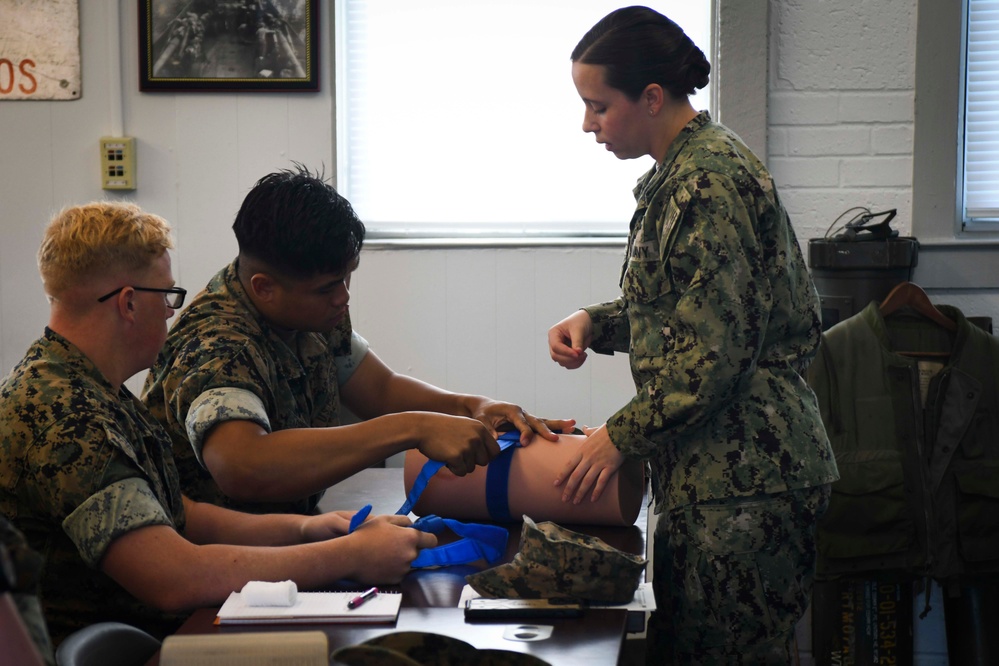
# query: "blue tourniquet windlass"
{"points": [[478, 541]]}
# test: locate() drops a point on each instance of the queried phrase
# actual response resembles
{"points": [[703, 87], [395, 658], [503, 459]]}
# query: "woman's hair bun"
{"points": [[695, 71]]}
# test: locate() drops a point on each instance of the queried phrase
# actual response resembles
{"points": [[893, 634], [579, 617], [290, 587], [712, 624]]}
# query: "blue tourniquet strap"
{"points": [[478, 541], [359, 518], [508, 439], [498, 478], [430, 468]]}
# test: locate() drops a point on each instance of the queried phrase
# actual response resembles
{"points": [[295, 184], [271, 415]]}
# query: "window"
{"points": [[981, 114], [460, 118], [952, 253]]}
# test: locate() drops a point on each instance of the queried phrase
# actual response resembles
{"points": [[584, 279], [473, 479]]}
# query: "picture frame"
{"points": [[233, 45]]}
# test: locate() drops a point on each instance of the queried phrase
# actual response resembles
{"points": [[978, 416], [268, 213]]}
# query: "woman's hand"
{"points": [[569, 339], [593, 466]]}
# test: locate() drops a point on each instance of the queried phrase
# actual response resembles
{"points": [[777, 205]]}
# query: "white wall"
{"points": [[476, 320], [841, 90], [197, 155]]}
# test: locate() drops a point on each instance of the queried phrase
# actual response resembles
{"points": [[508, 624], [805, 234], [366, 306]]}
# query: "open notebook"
{"points": [[313, 607]]}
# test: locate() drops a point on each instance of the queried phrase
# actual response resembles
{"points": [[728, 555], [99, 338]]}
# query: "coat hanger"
{"points": [[912, 295]]}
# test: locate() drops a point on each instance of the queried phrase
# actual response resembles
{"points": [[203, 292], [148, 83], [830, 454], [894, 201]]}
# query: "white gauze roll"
{"points": [[263, 593]]}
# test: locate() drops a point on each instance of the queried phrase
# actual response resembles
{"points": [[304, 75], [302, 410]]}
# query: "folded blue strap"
{"points": [[478, 541]]}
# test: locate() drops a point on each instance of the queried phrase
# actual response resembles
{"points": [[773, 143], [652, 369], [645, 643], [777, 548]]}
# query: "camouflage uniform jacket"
{"points": [[80, 465], [720, 318], [220, 343]]}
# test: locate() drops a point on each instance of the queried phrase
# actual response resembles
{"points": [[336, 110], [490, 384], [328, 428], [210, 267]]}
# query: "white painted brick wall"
{"points": [[892, 139], [876, 171], [829, 140], [840, 116]]}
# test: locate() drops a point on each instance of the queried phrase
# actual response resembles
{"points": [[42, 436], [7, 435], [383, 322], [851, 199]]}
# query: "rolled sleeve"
{"points": [[115, 510], [217, 405], [346, 365]]}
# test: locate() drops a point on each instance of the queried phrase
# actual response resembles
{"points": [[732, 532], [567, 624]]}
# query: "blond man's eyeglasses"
{"points": [[174, 296]]}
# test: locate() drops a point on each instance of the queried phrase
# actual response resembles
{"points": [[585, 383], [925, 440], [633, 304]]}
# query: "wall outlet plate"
{"points": [[117, 163]]}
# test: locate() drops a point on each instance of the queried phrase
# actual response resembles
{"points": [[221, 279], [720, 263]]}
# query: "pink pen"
{"points": [[361, 598]]}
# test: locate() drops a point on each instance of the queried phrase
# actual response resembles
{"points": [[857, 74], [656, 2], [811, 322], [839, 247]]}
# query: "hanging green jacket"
{"points": [[916, 440]]}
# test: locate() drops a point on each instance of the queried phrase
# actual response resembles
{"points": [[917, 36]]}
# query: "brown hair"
{"points": [[638, 46]]}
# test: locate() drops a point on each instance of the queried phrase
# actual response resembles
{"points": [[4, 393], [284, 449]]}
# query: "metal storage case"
{"points": [[849, 274]]}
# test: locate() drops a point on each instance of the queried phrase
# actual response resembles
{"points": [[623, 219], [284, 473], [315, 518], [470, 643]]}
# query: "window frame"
{"points": [[980, 216], [951, 256]]}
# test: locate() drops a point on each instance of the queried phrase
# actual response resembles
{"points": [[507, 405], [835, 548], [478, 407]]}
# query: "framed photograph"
{"points": [[229, 45]]}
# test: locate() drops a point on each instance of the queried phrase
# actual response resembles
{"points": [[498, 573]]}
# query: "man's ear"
{"points": [[263, 286], [126, 304]]}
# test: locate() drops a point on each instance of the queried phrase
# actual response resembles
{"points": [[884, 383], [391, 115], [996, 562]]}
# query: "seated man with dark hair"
{"points": [[87, 474], [250, 381]]}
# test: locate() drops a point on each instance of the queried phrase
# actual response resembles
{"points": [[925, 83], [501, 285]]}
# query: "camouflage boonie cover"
{"points": [[221, 341], [418, 648], [719, 317], [554, 562], [80, 465]]}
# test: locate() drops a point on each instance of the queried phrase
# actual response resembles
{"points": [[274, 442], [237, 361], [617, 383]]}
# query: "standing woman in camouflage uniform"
{"points": [[720, 318]]}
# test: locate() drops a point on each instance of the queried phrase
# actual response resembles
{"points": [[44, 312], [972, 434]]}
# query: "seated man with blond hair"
{"points": [[88, 475]]}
